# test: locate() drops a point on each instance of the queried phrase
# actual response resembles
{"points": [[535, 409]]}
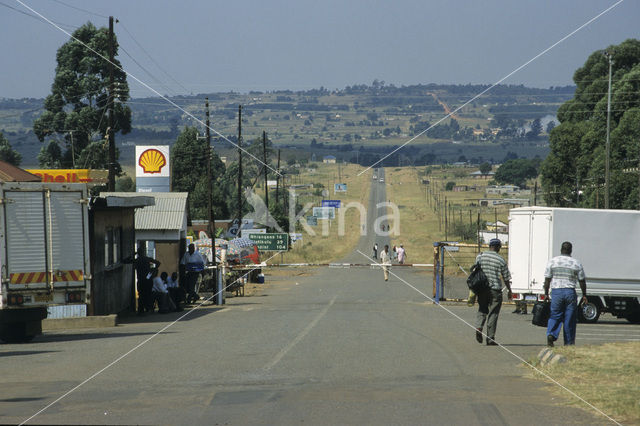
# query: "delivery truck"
{"points": [[44, 255], [606, 242]]}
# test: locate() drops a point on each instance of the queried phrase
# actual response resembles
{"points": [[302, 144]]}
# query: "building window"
{"points": [[112, 246]]}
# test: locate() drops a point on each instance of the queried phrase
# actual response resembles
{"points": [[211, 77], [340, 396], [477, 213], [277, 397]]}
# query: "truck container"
{"points": [[606, 242], [44, 255]]}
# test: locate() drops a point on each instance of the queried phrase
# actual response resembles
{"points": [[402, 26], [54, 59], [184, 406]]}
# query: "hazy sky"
{"points": [[205, 46]]}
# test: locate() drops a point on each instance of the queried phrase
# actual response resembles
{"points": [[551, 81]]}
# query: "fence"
{"points": [[451, 264]]}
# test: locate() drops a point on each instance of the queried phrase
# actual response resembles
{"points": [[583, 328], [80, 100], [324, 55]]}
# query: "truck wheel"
{"points": [[16, 336], [633, 317], [588, 312]]}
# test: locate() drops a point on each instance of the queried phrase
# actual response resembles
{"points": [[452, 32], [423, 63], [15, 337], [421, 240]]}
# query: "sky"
{"points": [[206, 46]]}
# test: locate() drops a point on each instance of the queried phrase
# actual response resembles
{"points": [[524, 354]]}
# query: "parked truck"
{"points": [[606, 242], [44, 254]]}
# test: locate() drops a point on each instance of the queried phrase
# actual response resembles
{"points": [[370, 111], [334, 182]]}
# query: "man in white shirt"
{"points": [[161, 294], [386, 262], [562, 275], [194, 265]]}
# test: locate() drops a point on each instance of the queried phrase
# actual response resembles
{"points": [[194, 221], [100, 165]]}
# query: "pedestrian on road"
{"points": [[375, 251], [143, 265], [386, 262], [194, 265], [562, 274], [490, 299], [402, 254]]}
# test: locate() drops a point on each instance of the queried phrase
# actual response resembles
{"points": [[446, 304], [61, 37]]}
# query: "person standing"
{"points": [[402, 254], [375, 251], [490, 299], [385, 260], [562, 274], [194, 265], [143, 265]]}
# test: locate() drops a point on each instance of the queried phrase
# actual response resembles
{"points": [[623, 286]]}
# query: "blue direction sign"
{"points": [[331, 203]]}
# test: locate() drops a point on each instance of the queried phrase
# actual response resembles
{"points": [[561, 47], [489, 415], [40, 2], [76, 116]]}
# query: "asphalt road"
{"points": [[340, 346]]}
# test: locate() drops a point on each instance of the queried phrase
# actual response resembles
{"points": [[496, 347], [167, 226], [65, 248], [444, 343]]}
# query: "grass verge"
{"points": [[607, 376]]}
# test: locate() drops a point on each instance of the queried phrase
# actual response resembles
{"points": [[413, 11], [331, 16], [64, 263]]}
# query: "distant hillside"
{"points": [[366, 116]]}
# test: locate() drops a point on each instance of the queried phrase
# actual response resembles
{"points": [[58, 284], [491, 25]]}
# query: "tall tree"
{"points": [[7, 153], [576, 162], [76, 109], [189, 174]]}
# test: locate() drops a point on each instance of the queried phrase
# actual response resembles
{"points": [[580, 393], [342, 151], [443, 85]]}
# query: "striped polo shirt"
{"points": [[564, 271], [494, 266]]}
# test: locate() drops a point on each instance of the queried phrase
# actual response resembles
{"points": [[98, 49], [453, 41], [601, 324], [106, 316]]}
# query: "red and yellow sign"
{"points": [[41, 277], [71, 175], [152, 161]]}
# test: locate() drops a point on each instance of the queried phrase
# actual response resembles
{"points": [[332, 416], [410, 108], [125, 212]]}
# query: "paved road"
{"points": [[338, 347]]}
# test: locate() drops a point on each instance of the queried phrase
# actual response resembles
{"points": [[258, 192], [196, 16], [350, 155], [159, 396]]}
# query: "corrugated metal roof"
{"points": [[11, 173], [170, 211]]}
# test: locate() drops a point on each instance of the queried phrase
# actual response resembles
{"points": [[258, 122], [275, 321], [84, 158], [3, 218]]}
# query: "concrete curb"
{"points": [[79, 322], [548, 357]]}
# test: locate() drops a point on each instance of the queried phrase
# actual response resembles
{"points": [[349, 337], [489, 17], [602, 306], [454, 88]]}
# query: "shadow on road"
{"points": [[22, 353]]}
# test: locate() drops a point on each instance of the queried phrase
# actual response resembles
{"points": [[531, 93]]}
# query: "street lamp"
{"points": [[607, 172]]}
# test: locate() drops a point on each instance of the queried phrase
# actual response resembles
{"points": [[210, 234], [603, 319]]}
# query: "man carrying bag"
{"points": [[490, 298]]}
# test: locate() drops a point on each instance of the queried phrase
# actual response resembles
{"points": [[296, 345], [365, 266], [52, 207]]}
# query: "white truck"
{"points": [[44, 254], [606, 242]]}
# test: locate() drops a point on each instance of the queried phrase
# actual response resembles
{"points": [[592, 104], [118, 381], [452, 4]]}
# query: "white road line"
{"points": [[300, 336]]}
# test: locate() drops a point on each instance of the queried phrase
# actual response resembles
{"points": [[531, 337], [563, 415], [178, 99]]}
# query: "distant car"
{"points": [[375, 177], [381, 179]]}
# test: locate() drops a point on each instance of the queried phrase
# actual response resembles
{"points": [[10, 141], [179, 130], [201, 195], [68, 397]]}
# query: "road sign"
{"points": [[271, 242], [331, 203], [324, 212], [312, 221], [339, 187]]}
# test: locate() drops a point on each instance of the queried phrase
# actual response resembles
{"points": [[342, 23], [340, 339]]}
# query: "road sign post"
{"points": [[271, 241]]}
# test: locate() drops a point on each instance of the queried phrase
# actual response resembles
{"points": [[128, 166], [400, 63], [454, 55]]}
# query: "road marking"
{"points": [[300, 336]]}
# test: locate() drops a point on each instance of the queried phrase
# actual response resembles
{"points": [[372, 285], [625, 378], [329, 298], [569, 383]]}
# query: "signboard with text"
{"points": [[331, 203], [324, 212], [270, 242], [71, 175], [340, 187], [312, 221], [152, 168]]}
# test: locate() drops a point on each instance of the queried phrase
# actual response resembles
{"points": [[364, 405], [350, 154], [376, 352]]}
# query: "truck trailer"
{"points": [[44, 254], [606, 242]]}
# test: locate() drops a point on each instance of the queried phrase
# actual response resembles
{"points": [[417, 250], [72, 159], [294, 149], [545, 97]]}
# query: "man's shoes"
{"points": [[550, 340], [479, 335], [491, 342], [523, 312], [517, 311]]}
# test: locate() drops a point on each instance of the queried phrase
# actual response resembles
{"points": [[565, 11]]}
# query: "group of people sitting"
{"points": [[166, 292]]}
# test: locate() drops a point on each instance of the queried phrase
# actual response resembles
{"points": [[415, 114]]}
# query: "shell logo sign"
{"points": [[152, 161]]}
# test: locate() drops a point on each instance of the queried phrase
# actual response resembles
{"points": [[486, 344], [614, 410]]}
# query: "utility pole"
{"points": [[207, 154], [278, 180], [111, 185], [607, 172], [266, 169], [239, 167]]}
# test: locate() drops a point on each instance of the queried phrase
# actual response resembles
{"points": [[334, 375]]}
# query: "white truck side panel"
{"points": [[67, 236], [604, 241], [25, 235]]}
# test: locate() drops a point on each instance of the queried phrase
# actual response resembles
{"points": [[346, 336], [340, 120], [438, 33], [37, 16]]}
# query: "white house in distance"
{"points": [[329, 159]]}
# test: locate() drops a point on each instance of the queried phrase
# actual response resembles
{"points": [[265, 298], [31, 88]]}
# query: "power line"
{"points": [[81, 10], [151, 58], [144, 69], [37, 17]]}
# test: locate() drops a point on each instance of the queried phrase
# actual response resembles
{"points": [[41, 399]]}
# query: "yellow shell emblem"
{"points": [[152, 161]]}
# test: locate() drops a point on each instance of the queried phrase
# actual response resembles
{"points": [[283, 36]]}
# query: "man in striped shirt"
{"points": [[562, 274], [490, 300]]}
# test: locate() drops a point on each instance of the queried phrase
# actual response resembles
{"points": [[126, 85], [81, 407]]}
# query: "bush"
{"points": [[449, 186]]}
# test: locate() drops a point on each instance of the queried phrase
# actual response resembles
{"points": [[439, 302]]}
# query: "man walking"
{"points": [[490, 300], [375, 251], [562, 275], [386, 262], [143, 265]]}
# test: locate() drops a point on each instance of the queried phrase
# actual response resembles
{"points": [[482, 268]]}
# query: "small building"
{"points": [[329, 159], [163, 227], [498, 226], [11, 173], [501, 189], [111, 241], [460, 188], [478, 174]]}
